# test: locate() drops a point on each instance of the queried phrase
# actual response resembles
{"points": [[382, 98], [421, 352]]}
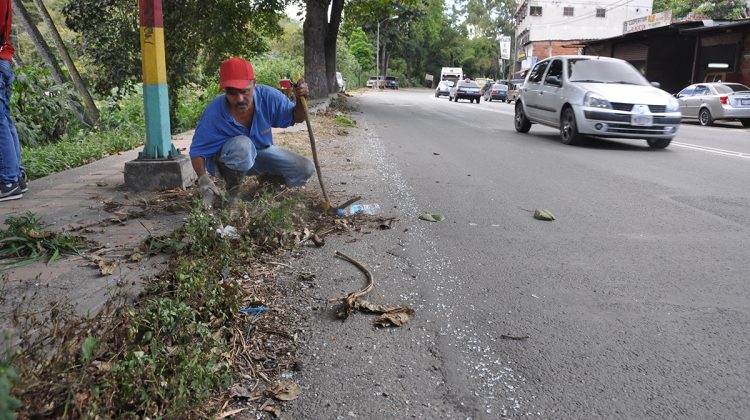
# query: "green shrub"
{"points": [[269, 69], [193, 100], [42, 110]]}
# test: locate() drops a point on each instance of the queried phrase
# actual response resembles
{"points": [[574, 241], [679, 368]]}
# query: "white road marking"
{"points": [[712, 150]]}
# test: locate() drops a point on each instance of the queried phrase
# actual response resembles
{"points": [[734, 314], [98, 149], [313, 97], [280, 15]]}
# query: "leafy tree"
{"points": [[361, 49], [396, 18], [724, 9], [198, 34]]}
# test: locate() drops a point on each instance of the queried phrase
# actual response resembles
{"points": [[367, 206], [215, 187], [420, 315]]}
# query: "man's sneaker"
{"points": [[10, 191], [22, 184]]}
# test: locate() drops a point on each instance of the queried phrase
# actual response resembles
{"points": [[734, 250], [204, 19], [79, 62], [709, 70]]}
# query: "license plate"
{"points": [[642, 120], [745, 101]]}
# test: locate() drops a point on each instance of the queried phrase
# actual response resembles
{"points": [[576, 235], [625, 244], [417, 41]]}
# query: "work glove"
{"points": [[209, 191]]}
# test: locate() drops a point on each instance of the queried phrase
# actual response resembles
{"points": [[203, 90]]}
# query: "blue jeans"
{"points": [[240, 154], [10, 149]]}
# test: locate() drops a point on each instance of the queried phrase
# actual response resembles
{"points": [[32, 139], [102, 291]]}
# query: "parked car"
{"points": [[485, 86], [709, 102], [340, 82], [497, 91], [484, 83], [391, 82], [598, 96], [514, 87], [374, 82], [464, 89], [444, 88]]}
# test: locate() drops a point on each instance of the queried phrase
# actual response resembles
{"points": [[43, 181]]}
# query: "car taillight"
{"points": [[724, 100]]}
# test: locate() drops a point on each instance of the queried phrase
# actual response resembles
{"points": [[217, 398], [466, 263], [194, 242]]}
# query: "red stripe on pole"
{"points": [[151, 15]]}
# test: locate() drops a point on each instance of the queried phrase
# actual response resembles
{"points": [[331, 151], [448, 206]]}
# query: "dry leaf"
{"points": [[103, 366], [285, 391], [394, 318], [230, 413], [106, 268], [136, 256], [239, 391]]}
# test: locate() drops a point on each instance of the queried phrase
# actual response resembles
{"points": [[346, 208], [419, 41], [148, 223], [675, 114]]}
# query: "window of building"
{"points": [[535, 11], [601, 12], [567, 11]]}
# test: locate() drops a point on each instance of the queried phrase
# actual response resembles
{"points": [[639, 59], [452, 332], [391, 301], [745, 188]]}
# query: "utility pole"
{"points": [[160, 165]]}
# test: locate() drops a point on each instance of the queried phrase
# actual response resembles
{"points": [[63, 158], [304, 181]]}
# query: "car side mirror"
{"points": [[553, 80], [656, 84]]}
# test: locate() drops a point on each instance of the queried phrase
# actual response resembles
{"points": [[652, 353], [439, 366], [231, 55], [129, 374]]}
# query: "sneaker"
{"points": [[10, 191], [22, 184]]}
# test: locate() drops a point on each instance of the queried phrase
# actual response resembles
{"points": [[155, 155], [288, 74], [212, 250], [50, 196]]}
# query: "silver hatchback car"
{"points": [[597, 96], [716, 101]]}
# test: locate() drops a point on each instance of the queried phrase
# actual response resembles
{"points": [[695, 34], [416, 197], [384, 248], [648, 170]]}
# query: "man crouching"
{"points": [[233, 137]]}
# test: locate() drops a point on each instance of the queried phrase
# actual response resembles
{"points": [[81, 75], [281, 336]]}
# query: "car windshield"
{"points": [[498, 86], [731, 87], [603, 71], [468, 84]]}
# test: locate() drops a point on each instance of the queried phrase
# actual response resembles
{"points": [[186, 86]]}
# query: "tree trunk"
{"points": [[93, 111], [41, 45], [337, 7], [315, 31]]}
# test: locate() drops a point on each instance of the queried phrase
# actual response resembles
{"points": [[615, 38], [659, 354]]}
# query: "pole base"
{"points": [[159, 174]]}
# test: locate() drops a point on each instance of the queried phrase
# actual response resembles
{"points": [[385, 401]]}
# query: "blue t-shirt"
{"points": [[217, 125]]}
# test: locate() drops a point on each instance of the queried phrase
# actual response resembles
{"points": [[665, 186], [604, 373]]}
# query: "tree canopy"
{"points": [[724, 9]]}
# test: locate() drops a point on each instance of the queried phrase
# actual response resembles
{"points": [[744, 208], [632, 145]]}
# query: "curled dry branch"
{"points": [[350, 299]]}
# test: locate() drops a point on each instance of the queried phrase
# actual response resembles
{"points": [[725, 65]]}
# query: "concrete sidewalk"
{"points": [[89, 201]]}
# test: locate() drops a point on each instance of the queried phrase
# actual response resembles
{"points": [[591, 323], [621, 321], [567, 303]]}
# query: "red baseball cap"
{"points": [[235, 73]]}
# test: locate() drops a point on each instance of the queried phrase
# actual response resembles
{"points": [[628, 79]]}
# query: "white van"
{"points": [[340, 82]]}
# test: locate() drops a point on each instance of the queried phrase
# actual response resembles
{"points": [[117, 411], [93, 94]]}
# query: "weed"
{"points": [[345, 121], [171, 351], [26, 241], [8, 375]]}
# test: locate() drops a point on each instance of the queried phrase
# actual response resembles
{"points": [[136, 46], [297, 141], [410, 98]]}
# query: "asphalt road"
{"points": [[635, 301]]}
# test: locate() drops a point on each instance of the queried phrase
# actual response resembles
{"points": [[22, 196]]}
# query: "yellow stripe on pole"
{"points": [[153, 57]]}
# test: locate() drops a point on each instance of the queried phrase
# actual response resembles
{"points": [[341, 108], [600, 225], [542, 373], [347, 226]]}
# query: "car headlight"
{"points": [[673, 105], [596, 100]]}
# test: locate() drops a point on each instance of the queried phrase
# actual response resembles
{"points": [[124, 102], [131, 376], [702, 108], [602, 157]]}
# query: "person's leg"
{"points": [[234, 160], [9, 148], [295, 168]]}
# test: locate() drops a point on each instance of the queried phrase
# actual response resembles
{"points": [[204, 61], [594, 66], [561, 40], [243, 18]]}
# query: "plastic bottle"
{"points": [[370, 209]]}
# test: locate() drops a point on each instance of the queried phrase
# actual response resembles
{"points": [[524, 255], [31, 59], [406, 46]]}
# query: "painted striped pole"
{"points": [[155, 94]]}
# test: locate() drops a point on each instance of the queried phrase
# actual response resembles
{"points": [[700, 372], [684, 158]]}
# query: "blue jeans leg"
{"points": [[10, 149], [238, 154], [273, 160]]}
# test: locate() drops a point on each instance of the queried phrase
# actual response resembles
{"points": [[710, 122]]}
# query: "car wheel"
{"points": [[477, 100], [658, 143], [523, 125], [568, 127], [745, 122], [704, 117]]}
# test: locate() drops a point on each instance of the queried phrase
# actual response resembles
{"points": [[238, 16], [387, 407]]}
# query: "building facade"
{"points": [[552, 27], [683, 52]]}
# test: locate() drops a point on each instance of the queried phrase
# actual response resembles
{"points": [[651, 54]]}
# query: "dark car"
{"points": [[391, 82], [465, 89], [497, 91]]}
